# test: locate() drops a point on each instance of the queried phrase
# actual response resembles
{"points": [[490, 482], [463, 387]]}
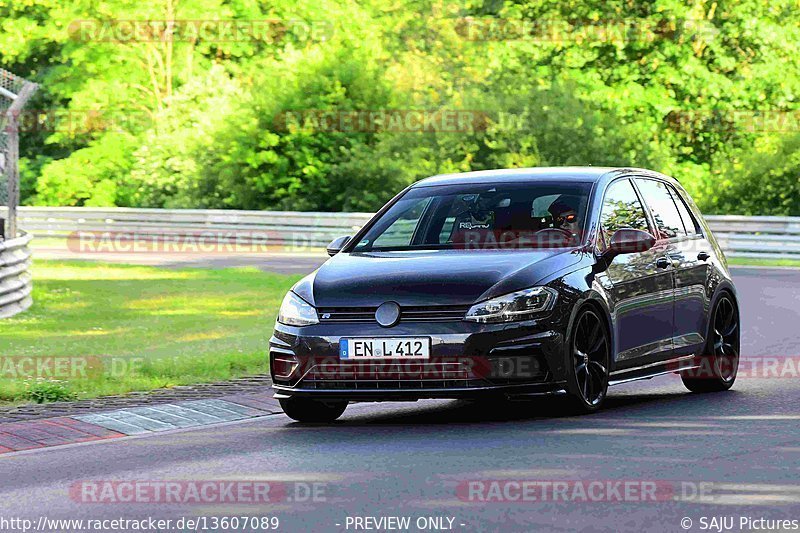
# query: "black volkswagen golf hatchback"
{"points": [[511, 283]]}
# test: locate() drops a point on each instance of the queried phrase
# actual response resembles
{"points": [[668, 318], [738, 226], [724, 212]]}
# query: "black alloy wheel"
{"points": [[720, 363], [589, 362]]}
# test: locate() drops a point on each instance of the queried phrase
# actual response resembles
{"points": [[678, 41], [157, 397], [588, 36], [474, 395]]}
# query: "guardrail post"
{"points": [[15, 279], [12, 174], [12, 103]]}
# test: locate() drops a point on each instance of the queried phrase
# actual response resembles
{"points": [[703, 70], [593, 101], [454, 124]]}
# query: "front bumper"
{"points": [[467, 360]]}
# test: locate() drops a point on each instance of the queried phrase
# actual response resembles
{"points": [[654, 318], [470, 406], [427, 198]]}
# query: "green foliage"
{"points": [[44, 391], [89, 176], [767, 181], [583, 82]]}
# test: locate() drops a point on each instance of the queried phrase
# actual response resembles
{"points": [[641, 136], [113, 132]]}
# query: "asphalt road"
{"points": [[734, 455]]}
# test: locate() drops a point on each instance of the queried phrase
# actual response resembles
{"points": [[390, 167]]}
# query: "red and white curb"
{"points": [[48, 432]]}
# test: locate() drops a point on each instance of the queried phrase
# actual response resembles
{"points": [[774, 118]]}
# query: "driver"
{"points": [[565, 213]]}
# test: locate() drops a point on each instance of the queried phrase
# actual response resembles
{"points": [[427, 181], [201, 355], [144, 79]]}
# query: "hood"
{"points": [[430, 277]]}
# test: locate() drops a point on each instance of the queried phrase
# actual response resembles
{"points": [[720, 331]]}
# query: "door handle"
{"points": [[703, 256], [662, 262]]}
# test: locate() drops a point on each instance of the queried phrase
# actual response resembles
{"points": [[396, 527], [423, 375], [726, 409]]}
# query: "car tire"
{"points": [[720, 360], [588, 357], [310, 410]]}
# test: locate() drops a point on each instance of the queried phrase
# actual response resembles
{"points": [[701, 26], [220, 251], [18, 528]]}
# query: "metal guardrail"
{"points": [[290, 228], [15, 280], [757, 237], [739, 236]]}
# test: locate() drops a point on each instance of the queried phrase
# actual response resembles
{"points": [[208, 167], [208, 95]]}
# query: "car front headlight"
{"points": [[296, 312], [518, 305]]}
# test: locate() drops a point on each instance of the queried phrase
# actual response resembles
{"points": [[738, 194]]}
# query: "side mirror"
{"points": [[629, 241], [337, 244]]}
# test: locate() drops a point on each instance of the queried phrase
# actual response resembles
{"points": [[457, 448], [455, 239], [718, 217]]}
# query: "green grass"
{"points": [[138, 327], [750, 261]]}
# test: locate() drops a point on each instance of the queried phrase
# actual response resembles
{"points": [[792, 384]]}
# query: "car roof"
{"points": [[575, 174]]}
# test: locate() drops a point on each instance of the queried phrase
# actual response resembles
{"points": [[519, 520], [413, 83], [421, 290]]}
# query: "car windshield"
{"points": [[481, 216]]}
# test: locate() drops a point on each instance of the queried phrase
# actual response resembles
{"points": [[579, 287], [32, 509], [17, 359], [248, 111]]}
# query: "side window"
{"points": [[621, 209], [540, 205], [447, 229], [662, 205], [689, 222], [401, 231]]}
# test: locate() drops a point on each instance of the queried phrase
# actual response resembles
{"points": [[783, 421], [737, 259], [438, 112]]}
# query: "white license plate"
{"points": [[385, 348]]}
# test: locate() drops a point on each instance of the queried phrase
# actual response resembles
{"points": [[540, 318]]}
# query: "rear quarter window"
{"points": [[689, 221], [662, 205]]}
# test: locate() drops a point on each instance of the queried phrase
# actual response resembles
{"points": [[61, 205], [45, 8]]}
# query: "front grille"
{"points": [[433, 314], [442, 313], [347, 314]]}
